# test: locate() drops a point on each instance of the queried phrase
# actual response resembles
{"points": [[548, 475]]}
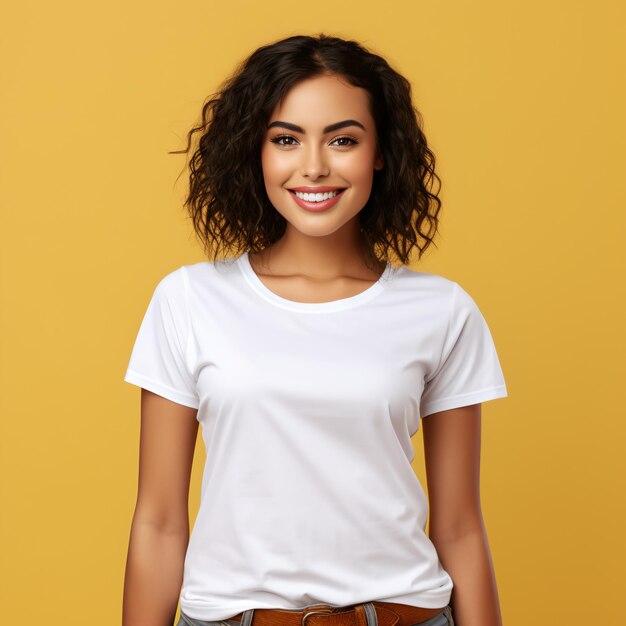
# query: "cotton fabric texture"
{"points": [[307, 412]]}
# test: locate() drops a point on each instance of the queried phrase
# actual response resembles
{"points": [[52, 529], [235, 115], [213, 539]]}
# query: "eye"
{"points": [[351, 141], [278, 140]]}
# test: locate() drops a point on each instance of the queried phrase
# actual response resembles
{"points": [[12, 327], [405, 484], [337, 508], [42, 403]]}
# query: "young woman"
{"points": [[310, 361]]}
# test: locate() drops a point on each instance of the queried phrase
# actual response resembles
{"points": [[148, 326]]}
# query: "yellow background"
{"points": [[524, 107]]}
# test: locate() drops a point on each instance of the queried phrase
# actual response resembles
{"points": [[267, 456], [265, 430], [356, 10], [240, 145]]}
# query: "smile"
{"points": [[316, 201], [316, 197]]}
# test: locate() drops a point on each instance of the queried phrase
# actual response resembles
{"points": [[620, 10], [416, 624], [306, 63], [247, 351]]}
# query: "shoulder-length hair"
{"points": [[227, 201]]}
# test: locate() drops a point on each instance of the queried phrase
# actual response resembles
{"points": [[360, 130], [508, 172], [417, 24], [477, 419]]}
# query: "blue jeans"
{"points": [[441, 619]]}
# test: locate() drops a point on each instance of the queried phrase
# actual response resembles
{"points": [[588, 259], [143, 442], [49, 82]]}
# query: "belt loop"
{"points": [[370, 613], [246, 618]]}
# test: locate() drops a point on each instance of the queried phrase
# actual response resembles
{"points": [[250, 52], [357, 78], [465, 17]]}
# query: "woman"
{"points": [[310, 361]]}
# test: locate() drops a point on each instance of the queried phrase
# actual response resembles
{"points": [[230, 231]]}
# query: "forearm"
{"points": [[475, 595], [154, 574]]}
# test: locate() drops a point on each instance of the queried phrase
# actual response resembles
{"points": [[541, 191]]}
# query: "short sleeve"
{"points": [[469, 370], [158, 360]]}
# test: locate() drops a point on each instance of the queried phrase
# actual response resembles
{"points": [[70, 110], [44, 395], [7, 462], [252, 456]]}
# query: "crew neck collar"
{"points": [[312, 307]]}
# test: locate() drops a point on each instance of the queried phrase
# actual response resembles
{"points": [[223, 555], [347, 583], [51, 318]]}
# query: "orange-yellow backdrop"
{"points": [[524, 107]]}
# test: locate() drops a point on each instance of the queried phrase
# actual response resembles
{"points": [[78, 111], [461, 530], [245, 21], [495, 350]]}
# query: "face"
{"points": [[322, 140]]}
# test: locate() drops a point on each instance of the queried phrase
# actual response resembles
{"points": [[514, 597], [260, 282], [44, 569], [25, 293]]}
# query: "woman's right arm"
{"points": [[159, 533]]}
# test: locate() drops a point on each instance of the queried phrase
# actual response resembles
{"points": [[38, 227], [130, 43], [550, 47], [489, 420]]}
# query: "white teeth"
{"points": [[316, 197]]}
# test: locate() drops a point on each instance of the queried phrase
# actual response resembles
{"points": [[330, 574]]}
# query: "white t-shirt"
{"points": [[307, 413]]}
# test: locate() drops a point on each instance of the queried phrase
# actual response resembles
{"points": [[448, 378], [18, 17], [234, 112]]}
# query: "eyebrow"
{"points": [[328, 129]]}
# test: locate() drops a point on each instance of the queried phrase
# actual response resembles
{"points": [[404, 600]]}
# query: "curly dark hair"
{"points": [[227, 200]]}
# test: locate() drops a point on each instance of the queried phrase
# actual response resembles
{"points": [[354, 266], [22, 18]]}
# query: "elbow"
{"points": [[164, 522], [469, 525]]}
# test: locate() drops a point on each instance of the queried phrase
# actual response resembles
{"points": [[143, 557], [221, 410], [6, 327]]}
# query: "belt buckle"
{"points": [[315, 611]]}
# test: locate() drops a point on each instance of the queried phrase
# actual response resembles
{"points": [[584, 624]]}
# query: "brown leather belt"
{"points": [[387, 614]]}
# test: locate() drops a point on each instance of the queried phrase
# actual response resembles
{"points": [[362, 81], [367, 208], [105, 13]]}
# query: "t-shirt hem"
{"points": [[428, 600], [465, 399], [134, 378]]}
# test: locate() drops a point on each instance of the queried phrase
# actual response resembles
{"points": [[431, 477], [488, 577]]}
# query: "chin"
{"points": [[323, 229]]}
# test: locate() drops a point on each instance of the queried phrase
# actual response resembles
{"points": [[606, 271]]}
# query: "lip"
{"points": [[316, 206]]}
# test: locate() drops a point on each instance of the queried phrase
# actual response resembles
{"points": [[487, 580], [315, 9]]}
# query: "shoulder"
{"points": [[200, 274], [438, 296], [182, 278], [434, 284], [199, 285], [428, 287], [172, 286]]}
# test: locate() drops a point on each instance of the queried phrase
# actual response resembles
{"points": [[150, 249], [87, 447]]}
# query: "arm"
{"points": [[160, 528], [456, 527]]}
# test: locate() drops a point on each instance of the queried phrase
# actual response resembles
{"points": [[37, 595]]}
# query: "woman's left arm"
{"points": [[452, 441]]}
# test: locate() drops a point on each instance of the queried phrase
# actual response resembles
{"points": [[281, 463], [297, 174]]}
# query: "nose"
{"points": [[314, 162]]}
